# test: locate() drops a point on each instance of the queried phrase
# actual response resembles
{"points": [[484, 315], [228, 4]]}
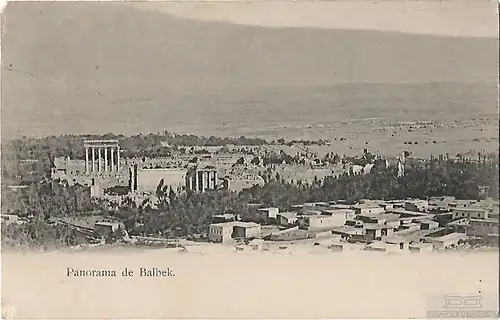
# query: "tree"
{"points": [[240, 161]]}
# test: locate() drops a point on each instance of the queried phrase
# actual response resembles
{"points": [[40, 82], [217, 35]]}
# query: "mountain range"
{"points": [[73, 67]]}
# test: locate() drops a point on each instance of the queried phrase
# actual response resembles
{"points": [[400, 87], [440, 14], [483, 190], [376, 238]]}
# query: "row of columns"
{"points": [[92, 166], [202, 180]]}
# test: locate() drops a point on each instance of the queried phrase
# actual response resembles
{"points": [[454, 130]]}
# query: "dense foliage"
{"points": [[44, 150], [190, 213], [39, 235], [185, 214], [47, 199]]}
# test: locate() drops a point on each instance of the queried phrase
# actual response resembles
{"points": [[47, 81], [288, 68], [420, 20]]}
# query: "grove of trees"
{"points": [[190, 213]]}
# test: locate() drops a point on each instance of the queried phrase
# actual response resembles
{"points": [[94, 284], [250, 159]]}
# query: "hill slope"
{"points": [[98, 67]]}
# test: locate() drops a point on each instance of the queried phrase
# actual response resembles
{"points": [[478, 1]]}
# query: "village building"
{"points": [[402, 242], [482, 227], [226, 217], [10, 218], [420, 247], [477, 213], [417, 205], [457, 204], [440, 203], [428, 224], [354, 223], [267, 213], [220, 232], [380, 246], [224, 232], [310, 213], [381, 219], [367, 209], [287, 218], [350, 233], [348, 213], [297, 207], [409, 226], [460, 225], [374, 231], [246, 230], [446, 241], [339, 206], [106, 228], [291, 234], [394, 203], [322, 222]]}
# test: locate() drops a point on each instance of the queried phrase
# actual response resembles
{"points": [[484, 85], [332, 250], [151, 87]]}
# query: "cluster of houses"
{"points": [[412, 224]]}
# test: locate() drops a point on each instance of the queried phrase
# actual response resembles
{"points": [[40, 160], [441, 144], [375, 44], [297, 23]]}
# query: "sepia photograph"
{"points": [[250, 159]]}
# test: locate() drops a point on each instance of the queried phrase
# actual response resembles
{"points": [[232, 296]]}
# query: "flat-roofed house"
{"points": [[286, 218], [420, 247], [472, 213], [441, 203], [402, 243], [374, 231], [461, 203], [348, 213], [381, 219], [220, 232], [378, 246], [339, 206], [321, 222], [417, 205], [268, 213], [349, 232], [290, 235], [297, 207], [392, 220], [446, 241], [428, 224], [315, 206], [409, 226], [246, 230], [367, 208], [226, 217]]}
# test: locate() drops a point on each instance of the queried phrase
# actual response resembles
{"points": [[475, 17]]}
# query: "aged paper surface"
{"points": [[260, 160]]}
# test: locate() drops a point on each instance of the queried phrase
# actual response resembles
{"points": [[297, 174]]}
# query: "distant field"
{"points": [[381, 117], [459, 117]]}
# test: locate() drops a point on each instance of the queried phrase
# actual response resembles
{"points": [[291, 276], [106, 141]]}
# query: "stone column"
{"points": [[99, 163], [118, 158], [86, 159], [203, 181], [93, 159], [112, 159], [105, 159], [196, 181], [215, 180], [190, 182]]}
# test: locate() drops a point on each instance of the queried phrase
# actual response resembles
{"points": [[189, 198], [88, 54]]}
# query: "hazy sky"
{"points": [[98, 67], [477, 18]]}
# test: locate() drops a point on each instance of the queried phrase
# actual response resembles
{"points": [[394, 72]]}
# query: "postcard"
{"points": [[249, 159]]}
